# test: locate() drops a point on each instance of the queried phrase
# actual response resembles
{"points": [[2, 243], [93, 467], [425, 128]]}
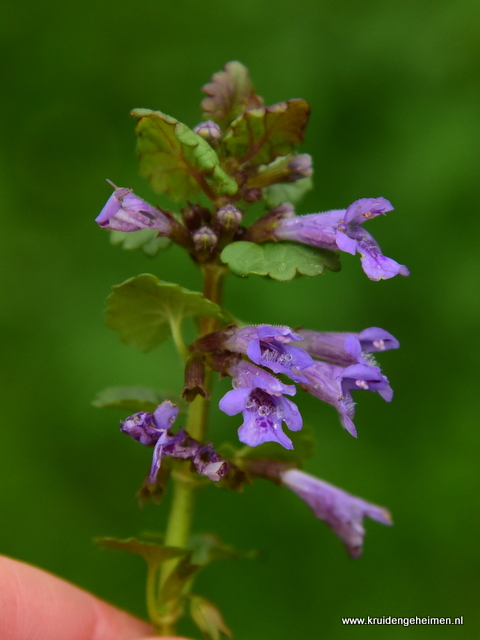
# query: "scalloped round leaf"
{"points": [[145, 239], [177, 161], [278, 260], [261, 135], [229, 94], [143, 309]]}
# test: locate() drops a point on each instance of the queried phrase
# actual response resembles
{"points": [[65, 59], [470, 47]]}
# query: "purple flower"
{"points": [[269, 346], [334, 384], [208, 463], [154, 429], [180, 445], [259, 396], [147, 428], [341, 229], [345, 349], [124, 211], [342, 512]]}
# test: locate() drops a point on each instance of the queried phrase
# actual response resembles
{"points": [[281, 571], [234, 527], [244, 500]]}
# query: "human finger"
{"points": [[35, 605]]}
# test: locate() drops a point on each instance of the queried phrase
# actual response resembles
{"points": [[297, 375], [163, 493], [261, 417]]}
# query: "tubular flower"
{"points": [[153, 430], [341, 229], [342, 512], [259, 396], [124, 211], [334, 384], [269, 346], [345, 349]]}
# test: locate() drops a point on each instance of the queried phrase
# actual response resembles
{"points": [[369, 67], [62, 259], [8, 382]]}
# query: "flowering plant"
{"points": [[241, 154]]}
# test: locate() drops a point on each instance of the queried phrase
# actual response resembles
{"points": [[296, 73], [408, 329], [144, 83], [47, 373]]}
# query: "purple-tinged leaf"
{"points": [[229, 94], [261, 135]]}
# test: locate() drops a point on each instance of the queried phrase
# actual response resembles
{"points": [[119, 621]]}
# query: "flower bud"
{"points": [[263, 228], [300, 167], [204, 239], [209, 130], [252, 195], [229, 217]]}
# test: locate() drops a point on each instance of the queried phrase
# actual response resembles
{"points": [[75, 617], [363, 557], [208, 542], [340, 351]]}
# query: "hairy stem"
{"points": [[181, 511]]}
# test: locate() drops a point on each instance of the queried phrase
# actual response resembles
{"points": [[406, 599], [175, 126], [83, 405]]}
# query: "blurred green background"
{"points": [[395, 96]]}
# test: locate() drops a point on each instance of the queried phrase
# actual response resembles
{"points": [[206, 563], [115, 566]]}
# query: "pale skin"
{"points": [[35, 605]]}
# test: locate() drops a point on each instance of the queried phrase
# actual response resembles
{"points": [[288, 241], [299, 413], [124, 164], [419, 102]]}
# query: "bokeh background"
{"points": [[395, 97]]}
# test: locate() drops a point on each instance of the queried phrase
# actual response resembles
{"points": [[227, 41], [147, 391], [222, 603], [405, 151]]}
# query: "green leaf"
{"points": [[291, 192], [276, 171], [229, 94], [279, 260], [177, 161], [208, 548], [208, 618], [303, 449], [130, 398], [260, 135], [145, 239], [144, 310], [153, 553]]}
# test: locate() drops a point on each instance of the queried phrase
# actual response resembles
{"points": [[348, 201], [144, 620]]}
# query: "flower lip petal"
{"points": [[291, 414], [111, 207], [254, 432], [281, 333], [366, 208], [376, 339], [234, 401], [274, 387], [380, 267], [165, 414], [345, 242]]}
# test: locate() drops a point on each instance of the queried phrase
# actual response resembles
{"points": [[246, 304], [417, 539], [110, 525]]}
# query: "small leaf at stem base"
{"points": [[208, 618]]}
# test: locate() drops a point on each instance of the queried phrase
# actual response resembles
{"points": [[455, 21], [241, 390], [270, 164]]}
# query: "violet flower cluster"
{"points": [[343, 363]]}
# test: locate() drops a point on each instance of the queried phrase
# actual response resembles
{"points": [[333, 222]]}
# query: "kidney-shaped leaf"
{"points": [[143, 309], [280, 261]]}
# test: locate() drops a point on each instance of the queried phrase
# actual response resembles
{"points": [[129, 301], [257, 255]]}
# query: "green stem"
{"points": [[176, 329], [181, 511]]}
